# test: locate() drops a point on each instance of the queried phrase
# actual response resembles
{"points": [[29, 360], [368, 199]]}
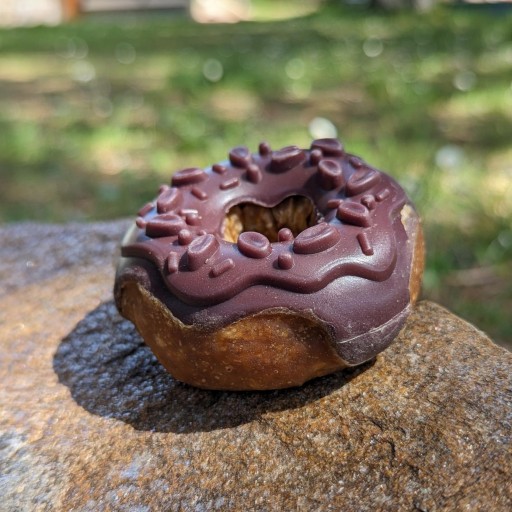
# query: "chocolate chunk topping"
{"points": [[365, 244], [200, 250], [140, 222], [285, 235], [383, 194], [330, 174], [172, 262], [361, 181], [328, 147], [146, 209], [219, 168], [354, 213], [188, 177], [264, 148], [167, 224], [285, 261], [369, 201], [254, 174], [355, 162], [231, 183], [254, 245], [222, 267], [315, 156], [185, 237], [287, 158], [188, 211], [316, 239], [167, 200], [240, 156], [334, 203], [200, 194], [193, 219]]}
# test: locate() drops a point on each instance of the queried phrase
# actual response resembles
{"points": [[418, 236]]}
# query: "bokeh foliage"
{"points": [[94, 115]]}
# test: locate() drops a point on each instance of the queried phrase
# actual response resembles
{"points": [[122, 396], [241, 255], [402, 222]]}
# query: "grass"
{"points": [[94, 115]]}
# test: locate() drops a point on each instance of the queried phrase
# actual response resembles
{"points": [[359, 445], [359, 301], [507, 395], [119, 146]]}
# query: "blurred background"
{"points": [[102, 100]]}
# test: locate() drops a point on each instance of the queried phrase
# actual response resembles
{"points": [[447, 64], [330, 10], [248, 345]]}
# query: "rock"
{"points": [[90, 421]]}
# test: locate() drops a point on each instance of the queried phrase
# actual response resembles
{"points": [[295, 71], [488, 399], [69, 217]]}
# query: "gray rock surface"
{"points": [[90, 421]]}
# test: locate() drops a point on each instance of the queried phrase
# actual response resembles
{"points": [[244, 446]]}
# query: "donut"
{"points": [[271, 268]]}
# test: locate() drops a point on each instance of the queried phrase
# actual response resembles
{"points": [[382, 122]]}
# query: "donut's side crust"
{"points": [[415, 232], [268, 350]]}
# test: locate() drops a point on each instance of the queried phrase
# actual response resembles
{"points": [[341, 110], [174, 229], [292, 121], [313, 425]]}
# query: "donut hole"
{"points": [[296, 213]]}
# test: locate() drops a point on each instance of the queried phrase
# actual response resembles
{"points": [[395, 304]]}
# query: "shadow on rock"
{"points": [[112, 373]]}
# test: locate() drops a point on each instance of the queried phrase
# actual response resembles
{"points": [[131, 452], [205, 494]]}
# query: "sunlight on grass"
{"points": [[270, 10], [493, 99]]}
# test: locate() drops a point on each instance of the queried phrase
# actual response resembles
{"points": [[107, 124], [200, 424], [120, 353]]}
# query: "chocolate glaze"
{"points": [[350, 271]]}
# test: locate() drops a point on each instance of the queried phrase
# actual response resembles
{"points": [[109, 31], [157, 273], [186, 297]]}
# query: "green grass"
{"points": [[94, 115]]}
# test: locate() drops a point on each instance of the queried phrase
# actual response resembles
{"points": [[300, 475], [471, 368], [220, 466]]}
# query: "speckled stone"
{"points": [[90, 421]]}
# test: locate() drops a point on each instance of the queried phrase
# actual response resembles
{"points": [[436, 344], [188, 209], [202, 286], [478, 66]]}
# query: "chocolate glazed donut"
{"points": [[271, 269]]}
